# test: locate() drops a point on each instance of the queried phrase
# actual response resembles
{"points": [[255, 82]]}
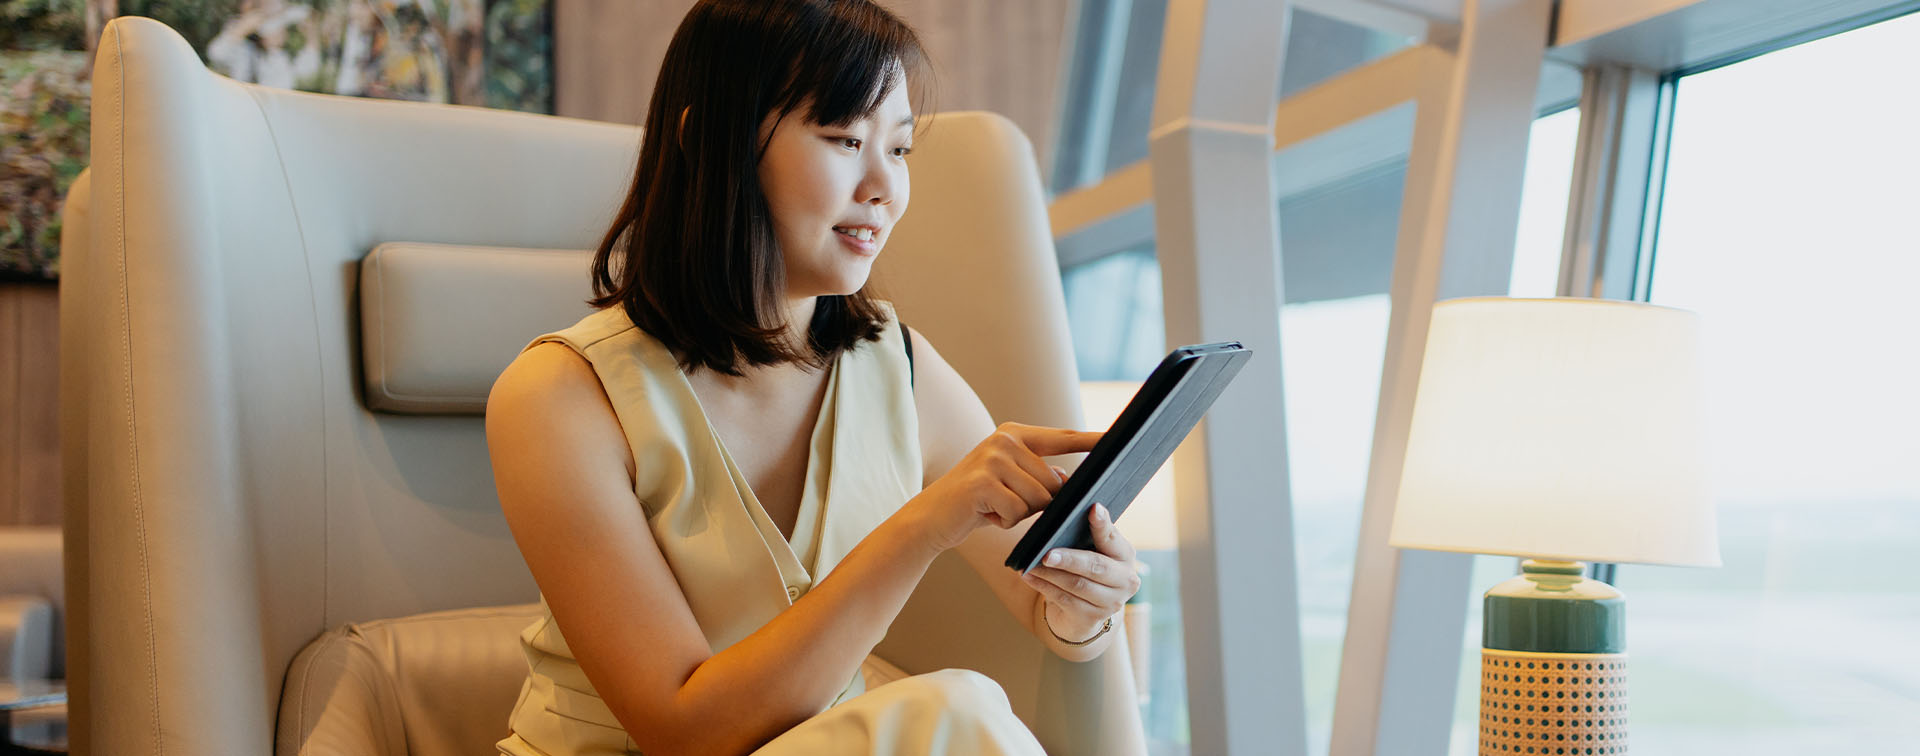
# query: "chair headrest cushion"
{"points": [[439, 322]]}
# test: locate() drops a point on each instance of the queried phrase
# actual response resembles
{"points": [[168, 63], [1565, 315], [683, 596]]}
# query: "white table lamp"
{"points": [[1562, 430]]}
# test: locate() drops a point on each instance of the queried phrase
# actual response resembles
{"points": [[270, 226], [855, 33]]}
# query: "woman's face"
{"points": [[835, 193]]}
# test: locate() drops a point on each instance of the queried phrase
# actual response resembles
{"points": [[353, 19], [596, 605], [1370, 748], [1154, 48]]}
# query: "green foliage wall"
{"points": [[492, 52]]}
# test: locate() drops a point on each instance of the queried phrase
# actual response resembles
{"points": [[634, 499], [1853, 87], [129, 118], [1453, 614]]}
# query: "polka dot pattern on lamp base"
{"points": [[1552, 704]]}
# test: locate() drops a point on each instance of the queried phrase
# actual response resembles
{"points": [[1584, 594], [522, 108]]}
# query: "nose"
{"points": [[880, 182]]}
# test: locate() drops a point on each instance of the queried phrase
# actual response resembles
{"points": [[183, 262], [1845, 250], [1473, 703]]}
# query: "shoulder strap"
{"points": [[907, 338]]}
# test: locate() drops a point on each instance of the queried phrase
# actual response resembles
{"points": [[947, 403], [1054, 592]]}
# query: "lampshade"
{"points": [[1148, 521], [1562, 429]]}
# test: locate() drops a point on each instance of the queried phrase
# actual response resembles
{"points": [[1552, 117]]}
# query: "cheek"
{"points": [[798, 188], [774, 179]]}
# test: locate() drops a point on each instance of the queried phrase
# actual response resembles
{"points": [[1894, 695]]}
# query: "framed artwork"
{"points": [[488, 53]]}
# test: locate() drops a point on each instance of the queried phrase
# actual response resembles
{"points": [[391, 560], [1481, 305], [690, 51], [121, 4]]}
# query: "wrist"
{"points": [[912, 530], [1074, 633]]}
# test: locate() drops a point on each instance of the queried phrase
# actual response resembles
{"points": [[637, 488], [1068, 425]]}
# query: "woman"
{"points": [[728, 480]]}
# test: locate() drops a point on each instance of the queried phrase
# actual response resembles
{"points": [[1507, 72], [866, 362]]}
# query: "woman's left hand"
{"points": [[1082, 589]]}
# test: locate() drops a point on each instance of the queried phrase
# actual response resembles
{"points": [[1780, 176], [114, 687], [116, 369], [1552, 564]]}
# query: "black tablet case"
{"points": [[1166, 408]]}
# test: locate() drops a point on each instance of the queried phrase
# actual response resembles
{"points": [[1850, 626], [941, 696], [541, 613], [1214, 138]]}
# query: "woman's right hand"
{"points": [[1002, 481]]}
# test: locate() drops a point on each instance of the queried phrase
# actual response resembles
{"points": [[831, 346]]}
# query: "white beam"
{"points": [[1211, 149], [1380, 17], [1355, 94], [1400, 662], [1120, 191], [1364, 146], [1325, 112], [1585, 19], [1665, 35]]}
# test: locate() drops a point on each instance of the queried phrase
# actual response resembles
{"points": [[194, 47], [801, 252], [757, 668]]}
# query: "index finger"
{"points": [[1047, 442]]}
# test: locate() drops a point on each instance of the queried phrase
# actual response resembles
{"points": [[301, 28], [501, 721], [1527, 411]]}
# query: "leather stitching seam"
{"points": [[306, 684], [126, 351], [313, 308]]}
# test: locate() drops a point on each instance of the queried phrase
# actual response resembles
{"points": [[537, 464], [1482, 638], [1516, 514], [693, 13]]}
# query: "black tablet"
{"points": [[1166, 408]]}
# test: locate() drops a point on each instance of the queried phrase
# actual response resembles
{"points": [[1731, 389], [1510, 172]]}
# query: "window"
{"points": [[1115, 64], [1337, 248], [1536, 273], [1786, 223], [1109, 94]]}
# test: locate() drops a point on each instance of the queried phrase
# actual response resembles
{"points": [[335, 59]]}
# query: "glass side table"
{"points": [[19, 696]]}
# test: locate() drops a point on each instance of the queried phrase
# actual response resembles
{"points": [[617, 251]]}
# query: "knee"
{"points": [[955, 690]]}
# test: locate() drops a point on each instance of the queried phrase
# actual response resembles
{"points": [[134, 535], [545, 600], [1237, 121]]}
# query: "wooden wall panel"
{"points": [[10, 404], [29, 404], [606, 55], [998, 55]]}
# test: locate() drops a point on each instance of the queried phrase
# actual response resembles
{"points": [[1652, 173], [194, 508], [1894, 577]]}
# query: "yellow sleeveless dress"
{"points": [[737, 571]]}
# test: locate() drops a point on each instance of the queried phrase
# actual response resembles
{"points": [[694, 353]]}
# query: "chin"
{"points": [[846, 290], [847, 281]]}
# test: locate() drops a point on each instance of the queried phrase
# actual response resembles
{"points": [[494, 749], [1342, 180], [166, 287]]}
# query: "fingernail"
{"points": [[1053, 557], [1105, 516]]}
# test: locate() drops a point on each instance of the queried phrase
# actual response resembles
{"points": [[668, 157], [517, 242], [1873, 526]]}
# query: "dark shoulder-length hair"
{"points": [[691, 256]]}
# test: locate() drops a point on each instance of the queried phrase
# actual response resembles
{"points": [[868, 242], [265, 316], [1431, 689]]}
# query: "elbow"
{"points": [[695, 729]]}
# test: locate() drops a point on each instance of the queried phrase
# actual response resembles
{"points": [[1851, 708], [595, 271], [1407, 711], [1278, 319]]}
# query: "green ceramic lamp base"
{"points": [[1553, 671]]}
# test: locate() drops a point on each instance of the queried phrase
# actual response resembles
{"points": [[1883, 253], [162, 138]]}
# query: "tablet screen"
{"points": [[1166, 408]]}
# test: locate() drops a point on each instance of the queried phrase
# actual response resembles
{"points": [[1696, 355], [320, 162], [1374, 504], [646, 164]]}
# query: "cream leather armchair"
{"points": [[273, 436]]}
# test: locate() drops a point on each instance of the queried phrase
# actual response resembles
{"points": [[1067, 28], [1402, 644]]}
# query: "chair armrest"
{"points": [[437, 684], [26, 637], [339, 700], [1074, 708]]}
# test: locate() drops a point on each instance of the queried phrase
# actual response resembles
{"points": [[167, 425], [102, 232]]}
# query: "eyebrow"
{"points": [[907, 121]]}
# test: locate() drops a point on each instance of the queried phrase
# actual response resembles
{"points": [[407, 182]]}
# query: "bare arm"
{"points": [[950, 414], [565, 478]]}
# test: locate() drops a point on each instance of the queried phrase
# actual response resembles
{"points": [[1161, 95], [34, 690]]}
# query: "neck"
{"points": [[799, 316]]}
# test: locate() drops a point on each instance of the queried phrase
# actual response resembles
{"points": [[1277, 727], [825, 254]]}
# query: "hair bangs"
{"points": [[691, 254], [861, 54]]}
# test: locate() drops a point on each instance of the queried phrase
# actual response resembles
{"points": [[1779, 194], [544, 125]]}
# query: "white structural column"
{"points": [[1461, 206], [1620, 131], [1218, 241]]}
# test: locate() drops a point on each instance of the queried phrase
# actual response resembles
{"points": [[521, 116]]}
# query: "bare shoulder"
{"points": [[952, 418], [546, 372], [934, 378], [550, 398]]}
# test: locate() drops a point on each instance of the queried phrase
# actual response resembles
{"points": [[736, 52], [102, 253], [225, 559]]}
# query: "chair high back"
{"points": [[230, 493]]}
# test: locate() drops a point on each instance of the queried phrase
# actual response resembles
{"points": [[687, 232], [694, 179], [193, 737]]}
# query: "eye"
{"points": [[851, 143], [901, 152]]}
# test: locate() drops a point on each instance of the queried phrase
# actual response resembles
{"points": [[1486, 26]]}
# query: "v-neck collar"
{"points": [[808, 523]]}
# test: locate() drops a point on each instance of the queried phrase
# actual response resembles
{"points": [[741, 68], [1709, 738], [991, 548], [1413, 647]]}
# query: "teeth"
{"points": [[863, 234], [866, 234]]}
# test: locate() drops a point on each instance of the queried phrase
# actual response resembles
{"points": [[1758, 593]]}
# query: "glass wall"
{"points": [[1787, 224], [1115, 65], [1786, 190], [1536, 273], [1337, 247]]}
